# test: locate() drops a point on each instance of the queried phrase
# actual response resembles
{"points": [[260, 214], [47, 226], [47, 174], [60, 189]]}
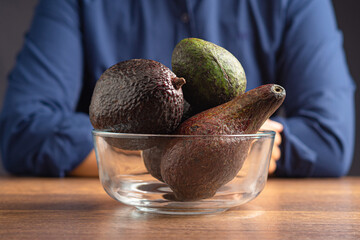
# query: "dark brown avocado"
{"points": [[137, 96], [196, 168]]}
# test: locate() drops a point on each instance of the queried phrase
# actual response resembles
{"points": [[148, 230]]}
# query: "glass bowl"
{"points": [[205, 174]]}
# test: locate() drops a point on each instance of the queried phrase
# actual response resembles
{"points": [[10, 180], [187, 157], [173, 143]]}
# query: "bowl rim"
{"points": [[109, 133]]}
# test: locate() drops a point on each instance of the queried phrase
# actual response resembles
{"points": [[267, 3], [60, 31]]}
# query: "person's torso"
{"points": [[116, 31]]}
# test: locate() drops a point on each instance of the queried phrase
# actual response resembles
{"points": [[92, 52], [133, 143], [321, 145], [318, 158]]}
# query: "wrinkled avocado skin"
{"points": [[137, 96], [213, 75], [195, 168]]}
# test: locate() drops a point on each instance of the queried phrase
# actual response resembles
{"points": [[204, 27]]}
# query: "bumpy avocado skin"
{"points": [[196, 169], [213, 75], [152, 158], [137, 96]]}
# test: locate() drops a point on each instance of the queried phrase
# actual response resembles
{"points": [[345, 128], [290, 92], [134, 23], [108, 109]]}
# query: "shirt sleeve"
{"points": [[318, 136], [41, 132]]}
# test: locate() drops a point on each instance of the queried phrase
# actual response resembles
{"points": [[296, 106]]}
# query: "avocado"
{"points": [[137, 96], [196, 168], [213, 75], [152, 157]]}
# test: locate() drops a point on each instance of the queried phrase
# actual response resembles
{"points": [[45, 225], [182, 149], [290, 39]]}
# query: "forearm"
{"points": [[309, 150], [318, 135], [41, 132], [35, 143]]}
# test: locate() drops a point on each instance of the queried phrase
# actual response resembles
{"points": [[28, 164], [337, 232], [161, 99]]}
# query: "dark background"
{"points": [[16, 15]]}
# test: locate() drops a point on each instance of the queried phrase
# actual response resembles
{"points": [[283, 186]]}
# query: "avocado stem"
{"points": [[178, 82]]}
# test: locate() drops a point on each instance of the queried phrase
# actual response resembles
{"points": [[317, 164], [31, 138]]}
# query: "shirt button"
{"points": [[185, 18]]}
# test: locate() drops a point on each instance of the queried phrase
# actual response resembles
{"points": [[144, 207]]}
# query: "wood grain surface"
{"points": [[79, 208]]}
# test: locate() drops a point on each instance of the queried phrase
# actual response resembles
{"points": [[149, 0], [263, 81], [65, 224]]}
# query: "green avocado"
{"points": [[213, 75]]}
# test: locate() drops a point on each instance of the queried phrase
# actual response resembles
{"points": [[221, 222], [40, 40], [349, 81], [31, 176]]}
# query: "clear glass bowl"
{"points": [[240, 161]]}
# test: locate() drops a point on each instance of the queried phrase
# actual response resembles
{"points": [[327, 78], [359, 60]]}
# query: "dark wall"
{"points": [[348, 17], [15, 17]]}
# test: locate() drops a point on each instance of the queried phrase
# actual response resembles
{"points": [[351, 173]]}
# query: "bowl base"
{"points": [[174, 211]]}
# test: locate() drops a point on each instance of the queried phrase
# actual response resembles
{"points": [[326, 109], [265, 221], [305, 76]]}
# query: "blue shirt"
{"points": [[44, 124]]}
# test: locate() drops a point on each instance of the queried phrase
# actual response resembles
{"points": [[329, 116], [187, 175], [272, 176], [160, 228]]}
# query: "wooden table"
{"points": [[78, 208]]}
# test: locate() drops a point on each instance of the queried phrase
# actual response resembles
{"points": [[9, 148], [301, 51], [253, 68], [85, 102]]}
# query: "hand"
{"points": [[88, 167], [276, 153]]}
